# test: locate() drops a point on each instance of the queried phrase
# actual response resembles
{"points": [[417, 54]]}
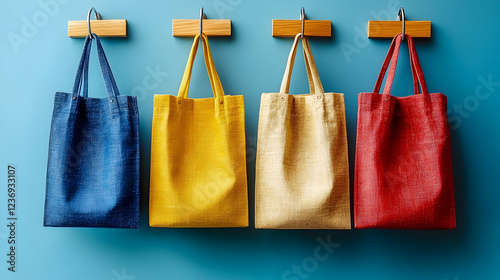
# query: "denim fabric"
{"points": [[93, 165]]}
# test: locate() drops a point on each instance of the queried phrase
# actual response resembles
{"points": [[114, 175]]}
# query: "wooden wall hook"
{"points": [[103, 28], [309, 28], [191, 27], [389, 29]]}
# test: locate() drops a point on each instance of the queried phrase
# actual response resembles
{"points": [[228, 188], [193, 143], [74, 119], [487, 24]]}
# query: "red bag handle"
{"points": [[416, 65], [392, 58]]}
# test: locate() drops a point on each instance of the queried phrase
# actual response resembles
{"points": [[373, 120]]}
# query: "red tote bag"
{"points": [[403, 174]]}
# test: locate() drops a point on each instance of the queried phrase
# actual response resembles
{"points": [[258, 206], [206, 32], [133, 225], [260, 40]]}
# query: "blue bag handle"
{"points": [[109, 79], [82, 69], [82, 73]]}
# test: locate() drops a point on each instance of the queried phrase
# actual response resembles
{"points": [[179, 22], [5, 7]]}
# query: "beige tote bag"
{"points": [[302, 172]]}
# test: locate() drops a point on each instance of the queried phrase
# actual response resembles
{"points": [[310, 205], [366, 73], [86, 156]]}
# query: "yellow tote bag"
{"points": [[198, 156], [302, 172]]}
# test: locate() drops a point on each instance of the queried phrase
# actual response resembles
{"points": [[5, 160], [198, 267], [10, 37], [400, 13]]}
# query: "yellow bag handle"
{"points": [[315, 85], [212, 72]]}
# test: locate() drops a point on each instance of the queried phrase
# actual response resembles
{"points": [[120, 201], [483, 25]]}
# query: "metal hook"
{"points": [[303, 19], [202, 16], [97, 17], [401, 17]]}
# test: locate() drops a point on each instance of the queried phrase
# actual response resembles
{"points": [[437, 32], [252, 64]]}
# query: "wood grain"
{"points": [[191, 27], [389, 29], [103, 28], [312, 28]]}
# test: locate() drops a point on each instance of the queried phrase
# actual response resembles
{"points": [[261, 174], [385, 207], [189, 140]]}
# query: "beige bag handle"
{"points": [[315, 85], [312, 72]]}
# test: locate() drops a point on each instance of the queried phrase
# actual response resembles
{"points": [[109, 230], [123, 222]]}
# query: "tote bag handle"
{"points": [[217, 89], [315, 85], [83, 68], [391, 61]]}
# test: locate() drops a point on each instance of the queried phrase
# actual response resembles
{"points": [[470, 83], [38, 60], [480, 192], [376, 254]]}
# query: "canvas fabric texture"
{"points": [[302, 170], [403, 169], [198, 156]]}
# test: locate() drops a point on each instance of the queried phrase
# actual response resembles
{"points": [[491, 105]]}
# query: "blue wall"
{"points": [[462, 53]]}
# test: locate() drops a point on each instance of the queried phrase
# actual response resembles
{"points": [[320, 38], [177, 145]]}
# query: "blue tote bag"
{"points": [[93, 166]]}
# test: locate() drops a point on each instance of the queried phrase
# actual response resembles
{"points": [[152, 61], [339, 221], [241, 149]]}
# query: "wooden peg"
{"points": [[312, 28], [191, 27], [389, 29], [103, 28]]}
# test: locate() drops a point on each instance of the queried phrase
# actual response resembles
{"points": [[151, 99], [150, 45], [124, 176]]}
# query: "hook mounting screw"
{"points": [[401, 17], [303, 19], [202, 16]]}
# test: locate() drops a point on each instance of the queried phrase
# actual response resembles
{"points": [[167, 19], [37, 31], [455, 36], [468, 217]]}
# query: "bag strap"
{"points": [[391, 63], [107, 74], [285, 83], [312, 71], [393, 68], [212, 72], [207, 53], [82, 73], [417, 66], [315, 85]]}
